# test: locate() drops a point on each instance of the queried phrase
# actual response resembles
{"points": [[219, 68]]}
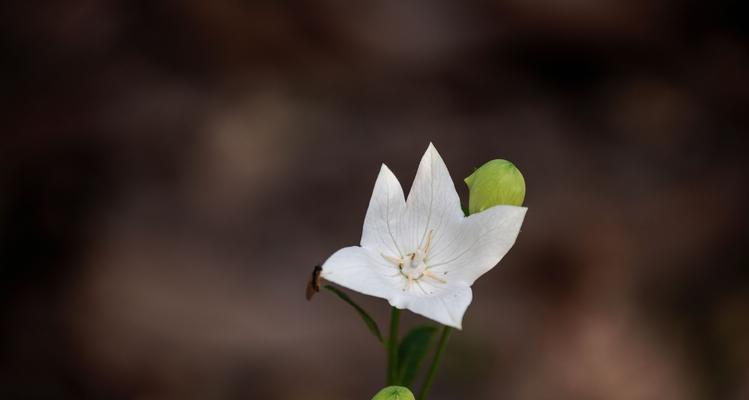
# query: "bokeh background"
{"points": [[171, 171]]}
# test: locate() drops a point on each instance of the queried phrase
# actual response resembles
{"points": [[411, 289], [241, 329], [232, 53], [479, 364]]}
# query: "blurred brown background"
{"points": [[171, 171]]}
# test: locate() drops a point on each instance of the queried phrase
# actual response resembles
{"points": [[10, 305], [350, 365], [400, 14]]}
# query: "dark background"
{"points": [[171, 171]]}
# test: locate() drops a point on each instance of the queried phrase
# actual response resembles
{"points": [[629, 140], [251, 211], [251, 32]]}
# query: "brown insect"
{"points": [[313, 286]]}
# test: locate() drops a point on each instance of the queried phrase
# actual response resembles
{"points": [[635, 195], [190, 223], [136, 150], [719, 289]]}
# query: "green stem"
{"points": [[393, 346], [427, 385]]}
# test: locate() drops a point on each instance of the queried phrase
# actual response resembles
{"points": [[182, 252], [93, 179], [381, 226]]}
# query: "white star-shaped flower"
{"points": [[422, 253]]}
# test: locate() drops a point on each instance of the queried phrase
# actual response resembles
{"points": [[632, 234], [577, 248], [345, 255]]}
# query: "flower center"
{"points": [[413, 266]]}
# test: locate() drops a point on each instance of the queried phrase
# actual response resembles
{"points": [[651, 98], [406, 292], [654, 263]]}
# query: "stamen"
{"points": [[433, 276], [418, 266], [393, 260], [429, 242]]}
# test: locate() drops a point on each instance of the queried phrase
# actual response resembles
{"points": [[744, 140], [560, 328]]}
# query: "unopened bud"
{"points": [[394, 393], [494, 183]]}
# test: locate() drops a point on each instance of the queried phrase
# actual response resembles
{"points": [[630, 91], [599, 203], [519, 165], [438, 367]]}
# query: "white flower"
{"points": [[423, 254]]}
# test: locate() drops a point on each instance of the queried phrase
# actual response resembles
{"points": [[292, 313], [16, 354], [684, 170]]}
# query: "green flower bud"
{"points": [[394, 393], [494, 183]]}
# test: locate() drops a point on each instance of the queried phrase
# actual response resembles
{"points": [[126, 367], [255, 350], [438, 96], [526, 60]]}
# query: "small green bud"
{"points": [[394, 393], [494, 183]]}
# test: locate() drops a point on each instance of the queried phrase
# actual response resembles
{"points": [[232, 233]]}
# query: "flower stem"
{"points": [[392, 347], [427, 385]]}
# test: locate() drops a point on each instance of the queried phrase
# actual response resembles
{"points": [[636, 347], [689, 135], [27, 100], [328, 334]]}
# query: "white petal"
{"points": [[362, 270], [446, 308], [461, 249], [386, 207], [477, 244], [433, 204]]}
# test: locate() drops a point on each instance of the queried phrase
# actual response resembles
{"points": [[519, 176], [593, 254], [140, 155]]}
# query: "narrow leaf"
{"points": [[412, 351], [371, 324]]}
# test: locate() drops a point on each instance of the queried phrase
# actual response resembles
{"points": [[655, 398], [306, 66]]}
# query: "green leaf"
{"points": [[371, 324], [394, 393], [412, 351]]}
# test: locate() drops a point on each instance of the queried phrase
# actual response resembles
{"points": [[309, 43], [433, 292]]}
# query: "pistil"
{"points": [[414, 265]]}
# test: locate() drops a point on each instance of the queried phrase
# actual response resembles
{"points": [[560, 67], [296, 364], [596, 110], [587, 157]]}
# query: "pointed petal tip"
{"points": [[397, 302], [453, 324], [431, 148], [457, 324], [387, 174], [385, 170]]}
